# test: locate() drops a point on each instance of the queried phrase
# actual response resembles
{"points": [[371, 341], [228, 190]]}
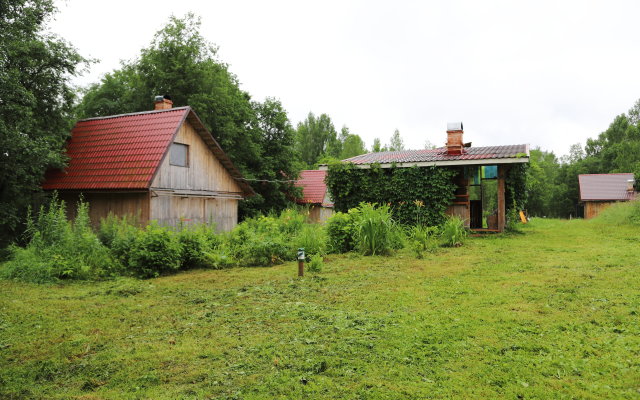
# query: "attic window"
{"points": [[179, 155]]}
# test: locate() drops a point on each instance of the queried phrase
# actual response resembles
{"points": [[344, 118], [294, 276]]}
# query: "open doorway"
{"points": [[483, 196]]}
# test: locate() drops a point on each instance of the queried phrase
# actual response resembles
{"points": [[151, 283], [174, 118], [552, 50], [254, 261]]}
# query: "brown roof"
{"points": [[123, 152], [601, 187], [519, 151]]}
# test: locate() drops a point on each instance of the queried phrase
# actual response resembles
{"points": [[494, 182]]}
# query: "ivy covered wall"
{"points": [[416, 194]]}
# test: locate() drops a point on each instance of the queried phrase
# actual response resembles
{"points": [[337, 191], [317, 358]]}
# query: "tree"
{"points": [[182, 63], [353, 146], [377, 146], [541, 177], [277, 162], [396, 143], [315, 138], [36, 101]]}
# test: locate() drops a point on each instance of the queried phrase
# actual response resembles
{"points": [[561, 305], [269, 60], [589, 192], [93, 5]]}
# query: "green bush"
{"points": [[423, 239], [196, 242], [315, 263], [269, 240], [340, 232], [313, 238], [155, 250], [58, 249], [374, 229], [453, 232]]}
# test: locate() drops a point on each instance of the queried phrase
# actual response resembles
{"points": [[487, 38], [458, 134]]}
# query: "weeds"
{"points": [[374, 229], [453, 232]]}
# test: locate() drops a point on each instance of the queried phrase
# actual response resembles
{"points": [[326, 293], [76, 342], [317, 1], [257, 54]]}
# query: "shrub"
{"points": [[313, 238], [217, 260], [374, 229], [315, 263], [196, 242], [423, 239], [59, 249], [340, 232], [155, 251], [453, 232], [119, 235]]}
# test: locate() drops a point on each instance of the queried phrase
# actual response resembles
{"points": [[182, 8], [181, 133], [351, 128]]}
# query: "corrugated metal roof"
{"points": [[599, 187], [313, 187], [440, 154], [123, 152]]}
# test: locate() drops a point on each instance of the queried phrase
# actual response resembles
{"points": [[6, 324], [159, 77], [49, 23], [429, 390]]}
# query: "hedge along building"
{"points": [[161, 165], [474, 183]]}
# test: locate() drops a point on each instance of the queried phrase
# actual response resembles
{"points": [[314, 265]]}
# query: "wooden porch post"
{"points": [[502, 170]]}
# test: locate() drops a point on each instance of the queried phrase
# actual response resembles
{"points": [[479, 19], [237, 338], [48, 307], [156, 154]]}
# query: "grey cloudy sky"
{"points": [[547, 73]]}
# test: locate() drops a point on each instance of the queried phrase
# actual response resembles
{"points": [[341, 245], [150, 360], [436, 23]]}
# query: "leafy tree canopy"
{"points": [[316, 137], [396, 143], [36, 100]]}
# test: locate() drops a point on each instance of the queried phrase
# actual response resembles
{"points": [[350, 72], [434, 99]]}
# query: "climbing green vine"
{"points": [[416, 194]]}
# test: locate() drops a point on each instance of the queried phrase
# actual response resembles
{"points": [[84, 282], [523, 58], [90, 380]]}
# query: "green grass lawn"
{"points": [[550, 313]]}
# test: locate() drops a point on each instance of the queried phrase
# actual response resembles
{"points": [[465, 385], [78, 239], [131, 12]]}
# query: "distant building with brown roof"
{"points": [[599, 191]]}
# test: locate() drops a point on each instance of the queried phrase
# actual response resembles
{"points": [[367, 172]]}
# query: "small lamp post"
{"points": [[301, 258]]}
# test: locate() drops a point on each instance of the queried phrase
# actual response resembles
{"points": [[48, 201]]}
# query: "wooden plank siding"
{"points": [[204, 173], [202, 192], [135, 205], [593, 208], [175, 210]]}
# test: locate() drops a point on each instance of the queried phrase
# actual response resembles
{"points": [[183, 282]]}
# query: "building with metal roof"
{"points": [[481, 174], [599, 191]]}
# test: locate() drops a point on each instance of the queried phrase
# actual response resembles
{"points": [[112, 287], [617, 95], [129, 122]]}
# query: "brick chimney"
{"points": [[454, 138], [163, 102]]}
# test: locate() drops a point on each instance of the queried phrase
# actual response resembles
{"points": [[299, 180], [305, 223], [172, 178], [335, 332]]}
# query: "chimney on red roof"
{"points": [[454, 138], [163, 102]]}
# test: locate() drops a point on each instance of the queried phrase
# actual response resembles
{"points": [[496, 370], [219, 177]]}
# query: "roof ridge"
{"points": [[612, 173], [135, 113]]}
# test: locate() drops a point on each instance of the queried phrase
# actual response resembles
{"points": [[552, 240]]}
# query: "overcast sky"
{"points": [[547, 73]]}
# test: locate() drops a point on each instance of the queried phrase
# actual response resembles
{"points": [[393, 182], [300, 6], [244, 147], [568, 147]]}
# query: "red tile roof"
{"points": [[313, 187], [598, 187], [124, 151], [440, 154]]}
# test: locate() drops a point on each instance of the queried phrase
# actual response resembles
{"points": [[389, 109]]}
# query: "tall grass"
{"points": [[624, 213], [374, 229], [59, 249], [453, 232]]}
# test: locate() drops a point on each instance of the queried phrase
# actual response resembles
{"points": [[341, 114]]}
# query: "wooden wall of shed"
{"points": [[459, 210], [593, 208], [204, 172], [318, 213], [102, 204], [174, 210]]}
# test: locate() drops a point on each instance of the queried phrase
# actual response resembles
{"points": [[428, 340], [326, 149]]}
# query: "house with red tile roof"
{"points": [[481, 178], [599, 191], [161, 165], [315, 194]]}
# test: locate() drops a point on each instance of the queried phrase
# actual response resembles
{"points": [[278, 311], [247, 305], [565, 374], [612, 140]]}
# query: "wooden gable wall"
{"points": [[203, 192]]}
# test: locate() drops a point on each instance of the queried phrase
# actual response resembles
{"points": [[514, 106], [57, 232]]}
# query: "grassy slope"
{"points": [[551, 313]]}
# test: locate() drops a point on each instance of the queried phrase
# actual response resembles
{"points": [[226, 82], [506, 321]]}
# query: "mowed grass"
{"points": [[550, 313]]}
